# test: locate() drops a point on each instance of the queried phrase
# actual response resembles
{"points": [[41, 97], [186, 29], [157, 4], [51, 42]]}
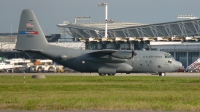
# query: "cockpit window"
{"points": [[167, 55]]}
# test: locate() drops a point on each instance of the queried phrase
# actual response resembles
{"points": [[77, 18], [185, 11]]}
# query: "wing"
{"points": [[110, 56], [121, 54], [106, 51]]}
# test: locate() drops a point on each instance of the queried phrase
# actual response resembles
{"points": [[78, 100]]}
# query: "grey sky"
{"points": [[52, 12]]}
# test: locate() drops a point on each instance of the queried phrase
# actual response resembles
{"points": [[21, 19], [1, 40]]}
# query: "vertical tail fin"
{"points": [[30, 34]]}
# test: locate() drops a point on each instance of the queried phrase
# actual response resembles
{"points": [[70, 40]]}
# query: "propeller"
{"points": [[123, 54], [133, 53]]}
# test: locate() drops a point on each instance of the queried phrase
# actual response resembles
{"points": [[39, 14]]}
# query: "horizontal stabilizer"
{"points": [[28, 50]]}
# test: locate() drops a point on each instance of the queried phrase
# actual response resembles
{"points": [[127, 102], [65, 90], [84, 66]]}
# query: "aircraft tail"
{"points": [[30, 35]]}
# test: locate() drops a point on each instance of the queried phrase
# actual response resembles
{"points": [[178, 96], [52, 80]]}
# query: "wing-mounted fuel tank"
{"points": [[114, 68], [106, 70]]}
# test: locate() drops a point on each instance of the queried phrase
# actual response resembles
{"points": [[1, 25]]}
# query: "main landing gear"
{"points": [[109, 74], [162, 74]]}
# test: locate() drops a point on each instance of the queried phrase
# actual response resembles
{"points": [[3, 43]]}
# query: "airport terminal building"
{"points": [[180, 38]]}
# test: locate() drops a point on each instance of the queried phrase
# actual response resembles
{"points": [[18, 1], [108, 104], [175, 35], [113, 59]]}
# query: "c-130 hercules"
{"points": [[31, 39]]}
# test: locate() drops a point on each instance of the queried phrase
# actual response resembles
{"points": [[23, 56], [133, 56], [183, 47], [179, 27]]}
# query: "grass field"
{"points": [[100, 93]]}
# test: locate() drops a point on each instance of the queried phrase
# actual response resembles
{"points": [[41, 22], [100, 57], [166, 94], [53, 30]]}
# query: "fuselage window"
{"points": [[153, 57]]}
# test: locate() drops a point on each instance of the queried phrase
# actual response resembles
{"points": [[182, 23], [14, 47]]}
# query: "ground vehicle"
{"points": [[19, 64], [45, 65]]}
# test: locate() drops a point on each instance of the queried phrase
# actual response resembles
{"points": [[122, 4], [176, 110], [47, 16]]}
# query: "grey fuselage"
{"points": [[84, 61]]}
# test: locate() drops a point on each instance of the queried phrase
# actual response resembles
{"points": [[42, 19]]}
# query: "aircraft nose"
{"points": [[177, 66]]}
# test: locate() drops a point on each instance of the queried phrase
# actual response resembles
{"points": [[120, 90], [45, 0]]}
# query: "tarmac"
{"points": [[175, 74], [89, 111]]}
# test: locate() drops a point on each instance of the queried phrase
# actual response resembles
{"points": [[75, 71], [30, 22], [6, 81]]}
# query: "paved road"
{"points": [[95, 74], [88, 111]]}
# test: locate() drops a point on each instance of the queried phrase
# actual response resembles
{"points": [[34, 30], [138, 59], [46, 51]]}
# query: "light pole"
{"points": [[11, 31], [106, 15], [198, 50], [24, 71]]}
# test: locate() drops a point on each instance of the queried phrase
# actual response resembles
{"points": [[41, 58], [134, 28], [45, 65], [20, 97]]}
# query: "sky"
{"points": [[52, 12]]}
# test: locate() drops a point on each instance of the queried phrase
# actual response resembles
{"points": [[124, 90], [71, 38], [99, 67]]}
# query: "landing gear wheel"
{"points": [[51, 69], [102, 74], [162, 74], [39, 70], [3, 70], [16, 70], [111, 74]]}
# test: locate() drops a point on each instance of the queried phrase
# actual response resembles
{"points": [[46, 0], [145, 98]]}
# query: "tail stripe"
{"points": [[28, 32]]}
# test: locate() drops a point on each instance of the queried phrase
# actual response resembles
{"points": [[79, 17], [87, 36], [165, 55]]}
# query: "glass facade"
{"points": [[192, 56], [182, 57]]}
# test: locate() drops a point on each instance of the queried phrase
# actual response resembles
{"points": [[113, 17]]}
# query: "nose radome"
{"points": [[178, 65]]}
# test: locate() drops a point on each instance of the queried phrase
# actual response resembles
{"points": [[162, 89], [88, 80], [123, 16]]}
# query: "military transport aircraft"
{"points": [[31, 39]]}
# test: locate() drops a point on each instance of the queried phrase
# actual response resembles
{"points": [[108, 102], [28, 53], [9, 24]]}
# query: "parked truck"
{"points": [[45, 65]]}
